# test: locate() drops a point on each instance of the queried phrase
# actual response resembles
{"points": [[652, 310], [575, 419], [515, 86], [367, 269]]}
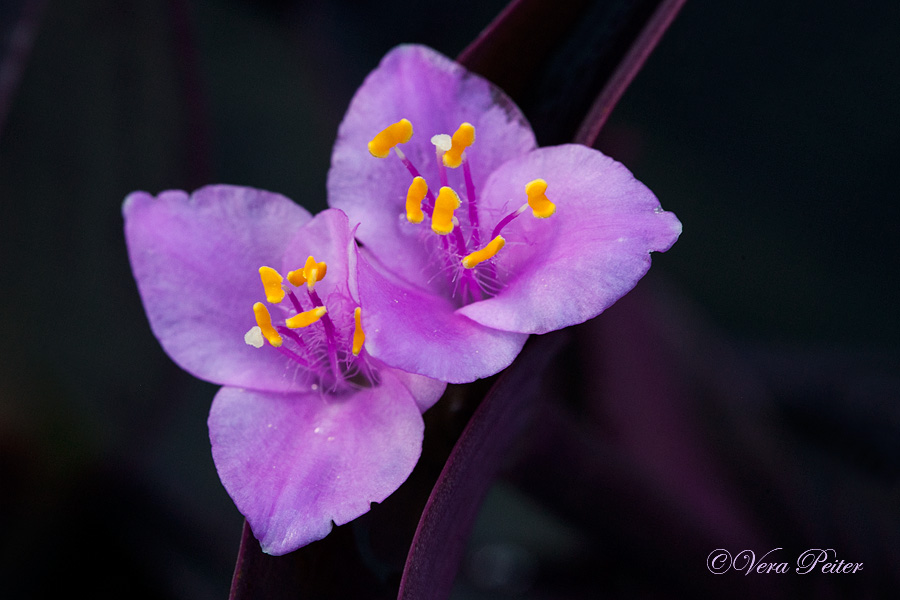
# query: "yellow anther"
{"points": [[414, 196], [442, 217], [271, 281], [306, 318], [390, 136], [479, 256], [311, 273], [462, 139], [296, 277], [265, 324], [359, 337], [540, 205]]}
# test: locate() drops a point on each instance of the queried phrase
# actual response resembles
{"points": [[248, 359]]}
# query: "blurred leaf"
{"points": [[443, 530], [566, 64], [329, 568], [630, 447], [669, 439]]}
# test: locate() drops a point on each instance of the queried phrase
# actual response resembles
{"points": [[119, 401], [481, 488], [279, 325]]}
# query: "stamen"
{"points": [[540, 205], [295, 357], [442, 168], [306, 318], [311, 272], [264, 320], [414, 196], [471, 202], [508, 219], [462, 139], [442, 217], [295, 301], [479, 256], [271, 281], [359, 337], [254, 337], [415, 173], [390, 136], [330, 333], [291, 334], [442, 142]]}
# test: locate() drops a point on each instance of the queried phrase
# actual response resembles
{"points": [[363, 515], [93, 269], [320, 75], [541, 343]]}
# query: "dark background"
{"points": [[770, 128]]}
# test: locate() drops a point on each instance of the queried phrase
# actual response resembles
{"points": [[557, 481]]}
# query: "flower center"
{"points": [[455, 239], [333, 357]]}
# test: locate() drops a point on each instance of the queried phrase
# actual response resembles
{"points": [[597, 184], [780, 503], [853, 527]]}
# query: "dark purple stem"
{"points": [[626, 70], [440, 538]]}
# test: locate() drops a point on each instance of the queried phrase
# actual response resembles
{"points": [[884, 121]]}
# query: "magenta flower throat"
{"points": [[329, 355], [459, 254]]}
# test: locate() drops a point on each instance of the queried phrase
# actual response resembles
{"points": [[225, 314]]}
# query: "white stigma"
{"points": [[254, 337], [443, 142]]}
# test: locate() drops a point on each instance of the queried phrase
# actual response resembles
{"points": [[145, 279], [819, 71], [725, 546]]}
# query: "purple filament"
{"points": [[470, 196]]}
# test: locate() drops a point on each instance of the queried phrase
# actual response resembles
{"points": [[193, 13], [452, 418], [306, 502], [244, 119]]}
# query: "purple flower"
{"points": [[487, 237], [309, 428]]}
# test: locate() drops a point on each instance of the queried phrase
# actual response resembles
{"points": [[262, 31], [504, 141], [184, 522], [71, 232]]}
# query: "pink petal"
{"points": [[196, 261], [421, 332], [572, 266], [295, 463]]}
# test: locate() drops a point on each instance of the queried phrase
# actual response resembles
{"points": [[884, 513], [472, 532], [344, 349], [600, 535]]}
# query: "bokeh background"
{"points": [[770, 128]]}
